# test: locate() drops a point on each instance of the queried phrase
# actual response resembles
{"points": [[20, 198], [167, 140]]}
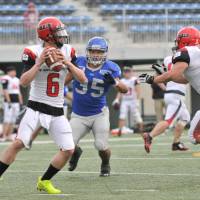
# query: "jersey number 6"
{"points": [[53, 85]]}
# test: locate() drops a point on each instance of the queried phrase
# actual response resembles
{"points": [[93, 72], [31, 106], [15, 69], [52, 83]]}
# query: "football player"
{"points": [[45, 105], [12, 101], [129, 101], [89, 107], [186, 68]]}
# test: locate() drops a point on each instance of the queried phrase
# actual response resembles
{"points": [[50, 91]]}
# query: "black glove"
{"points": [[108, 78], [146, 78], [158, 68]]}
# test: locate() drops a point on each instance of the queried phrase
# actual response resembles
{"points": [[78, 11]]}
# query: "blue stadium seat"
{"points": [[73, 19], [20, 9], [155, 17], [114, 8]]}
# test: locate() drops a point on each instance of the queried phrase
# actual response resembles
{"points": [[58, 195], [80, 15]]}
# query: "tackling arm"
{"points": [[176, 74], [76, 72]]}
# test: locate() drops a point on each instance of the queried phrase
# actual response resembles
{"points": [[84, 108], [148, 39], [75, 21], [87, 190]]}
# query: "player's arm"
{"points": [[176, 74], [20, 98], [76, 72], [33, 68], [162, 86], [68, 78]]}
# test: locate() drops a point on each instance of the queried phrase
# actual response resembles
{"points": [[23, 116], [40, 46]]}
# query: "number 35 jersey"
{"points": [[48, 85], [90, 98]]}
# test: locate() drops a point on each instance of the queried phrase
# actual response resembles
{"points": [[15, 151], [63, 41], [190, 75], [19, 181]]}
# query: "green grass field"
{"points": [[162, 175]]}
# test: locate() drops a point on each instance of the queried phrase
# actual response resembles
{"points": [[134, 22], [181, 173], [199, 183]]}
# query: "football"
{"points": [[53, 61]]}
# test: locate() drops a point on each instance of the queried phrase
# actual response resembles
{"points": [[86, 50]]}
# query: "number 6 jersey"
{"points": [[90, 98], [47, 86]]}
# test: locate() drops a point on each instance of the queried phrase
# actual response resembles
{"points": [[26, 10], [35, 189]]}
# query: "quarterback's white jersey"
{"points": [[48, 85], [190, 55], [12, 84], [173, 85], [130, 83]]}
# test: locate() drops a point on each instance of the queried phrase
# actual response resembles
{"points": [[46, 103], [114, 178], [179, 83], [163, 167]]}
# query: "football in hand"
{"points": [[54, 61]]}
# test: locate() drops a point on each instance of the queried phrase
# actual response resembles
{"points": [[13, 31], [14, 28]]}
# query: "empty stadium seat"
{"points": [[109, 9]]}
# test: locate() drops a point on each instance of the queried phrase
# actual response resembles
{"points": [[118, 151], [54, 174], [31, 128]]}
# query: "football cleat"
{"points": [[147, 142], [47, 186], [105, 170], [179, 146], [74, 159]]}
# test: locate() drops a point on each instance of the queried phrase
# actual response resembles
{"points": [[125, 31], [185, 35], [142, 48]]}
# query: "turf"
{"points": [[161, 175]]}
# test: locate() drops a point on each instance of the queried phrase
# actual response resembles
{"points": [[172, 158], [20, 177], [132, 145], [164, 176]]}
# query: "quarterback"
{"points": [[45, 105]]}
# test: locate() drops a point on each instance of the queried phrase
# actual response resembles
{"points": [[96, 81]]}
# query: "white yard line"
{"points": [[132, 190], [90, 140], [59, 195], [129, 158], [112, 173]]}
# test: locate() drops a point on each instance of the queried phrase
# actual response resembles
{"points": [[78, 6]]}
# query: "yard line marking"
{"points": [[142, 190], [92, 147], [90, 140], [52, 194], [131, 158], [113, 173], [144, 158]]}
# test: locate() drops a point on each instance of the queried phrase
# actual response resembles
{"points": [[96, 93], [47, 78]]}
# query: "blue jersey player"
{"points": [[89, 107]]}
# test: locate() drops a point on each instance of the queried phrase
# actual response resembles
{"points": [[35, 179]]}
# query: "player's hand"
{"points": [[158, 68], [108, 78], [146, 78], [44, 55]]}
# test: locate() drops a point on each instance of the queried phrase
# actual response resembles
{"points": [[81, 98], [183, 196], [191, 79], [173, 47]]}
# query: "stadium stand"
{"points": [[12, 30], [142, 20]]}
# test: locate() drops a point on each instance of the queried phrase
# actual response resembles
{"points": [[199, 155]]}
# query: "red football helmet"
{"points": [[187, 36], [51, 29]]}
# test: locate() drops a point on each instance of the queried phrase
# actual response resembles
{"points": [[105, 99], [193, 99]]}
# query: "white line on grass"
{"points": [[60, 195], [129, 190], [112, 146], [131, 158], [113, 173]]}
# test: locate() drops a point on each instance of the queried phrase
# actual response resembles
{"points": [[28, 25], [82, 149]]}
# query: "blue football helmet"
{"points": [[99, 44]]}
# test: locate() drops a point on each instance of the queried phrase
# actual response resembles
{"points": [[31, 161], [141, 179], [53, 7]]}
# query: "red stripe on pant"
{"points": [[170, 120]]}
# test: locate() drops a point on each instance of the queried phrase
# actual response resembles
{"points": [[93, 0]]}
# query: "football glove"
{"points": [[108, 78], [158, 68], [146, 78]]}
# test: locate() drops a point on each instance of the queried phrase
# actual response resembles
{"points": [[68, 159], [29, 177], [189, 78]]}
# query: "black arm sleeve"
{"points": [[5, 84], [181, 56]]}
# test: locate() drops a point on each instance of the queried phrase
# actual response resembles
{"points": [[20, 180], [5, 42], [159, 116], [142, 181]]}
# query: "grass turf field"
{"points": [[161, 175]]}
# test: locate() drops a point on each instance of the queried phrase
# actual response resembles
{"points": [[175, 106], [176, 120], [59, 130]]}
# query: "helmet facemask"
{"points": [[61, 36], [96, 57]]}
